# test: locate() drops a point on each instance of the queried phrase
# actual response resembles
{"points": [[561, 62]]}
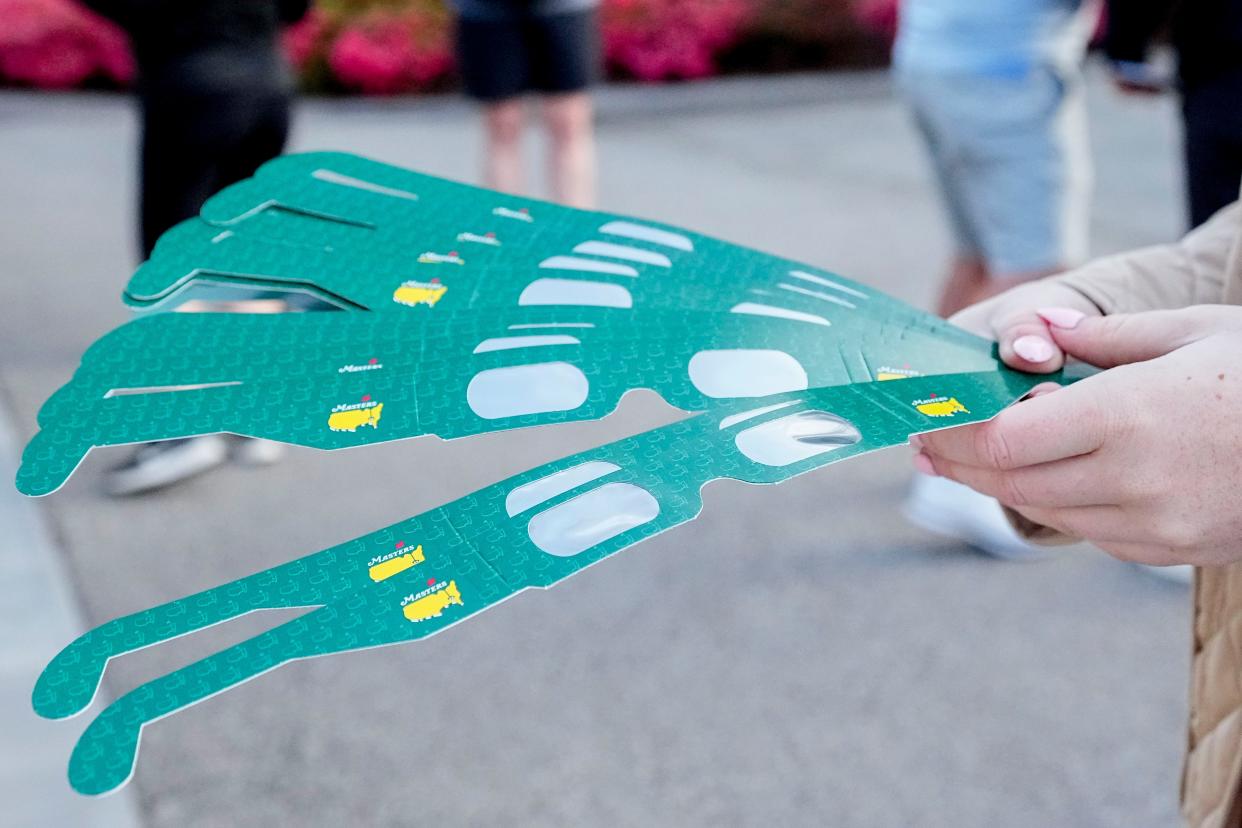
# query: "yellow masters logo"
{"points": [[372, 364], [441, 258], [394, 563], [431, 602], [419, 293], [887, 372], [488, 238], [936, 406], [355, 416], [521, 214]]}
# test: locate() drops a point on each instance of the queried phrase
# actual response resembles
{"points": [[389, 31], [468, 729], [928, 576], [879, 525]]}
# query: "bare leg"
{"points": [[968, 278], [502, 163], [571, 151]]}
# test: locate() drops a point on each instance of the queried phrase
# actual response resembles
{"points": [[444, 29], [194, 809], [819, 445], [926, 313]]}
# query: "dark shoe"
{"points": [[155, 465]]}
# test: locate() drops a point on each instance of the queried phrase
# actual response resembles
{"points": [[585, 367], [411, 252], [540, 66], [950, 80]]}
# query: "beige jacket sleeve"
{"points": [[1196, 270], [1189, 272]]}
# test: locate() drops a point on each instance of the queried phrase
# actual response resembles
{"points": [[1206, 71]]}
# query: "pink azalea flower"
{"points": [[662, 39], [383, 54], [56, 44]]}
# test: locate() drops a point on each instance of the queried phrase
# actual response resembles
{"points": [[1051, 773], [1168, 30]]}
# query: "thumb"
{"points": [[1026, 344], [1119, 339], [1022, 337]]}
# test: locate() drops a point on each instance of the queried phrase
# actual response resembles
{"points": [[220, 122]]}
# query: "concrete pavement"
{"points": [[38, 614], [797, 656]]}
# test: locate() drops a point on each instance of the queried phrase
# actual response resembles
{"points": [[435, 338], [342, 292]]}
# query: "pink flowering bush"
{"points": [[655, 40], [388, 53], [385, 47], [58, 44], [879, 16], [305, 39], [373, 57], [378, 47]]}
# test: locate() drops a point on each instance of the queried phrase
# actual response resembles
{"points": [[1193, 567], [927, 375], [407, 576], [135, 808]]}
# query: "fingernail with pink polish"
{"points": [[1067, 318], [923, 464], [1033, 349]]}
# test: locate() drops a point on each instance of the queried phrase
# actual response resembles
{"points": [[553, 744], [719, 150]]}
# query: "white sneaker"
{"points": [[944, 507], [155, 465], [254, 451]]}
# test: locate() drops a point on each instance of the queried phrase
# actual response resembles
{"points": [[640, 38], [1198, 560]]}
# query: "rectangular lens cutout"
{"points": [[776, 311], [575, 292], [520, 390], [587, 266], [546, 488], [816, 294], [642, 232], [623, 251], [508, 343], [796, 437], [589, 519], [534, 325], [828, 283]]}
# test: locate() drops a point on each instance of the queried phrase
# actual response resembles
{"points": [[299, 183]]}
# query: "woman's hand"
{"points": [[1143, 460], [1024, 337]]}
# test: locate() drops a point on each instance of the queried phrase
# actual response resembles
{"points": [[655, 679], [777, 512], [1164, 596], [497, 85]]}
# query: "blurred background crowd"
{"points": [[393, 46]]}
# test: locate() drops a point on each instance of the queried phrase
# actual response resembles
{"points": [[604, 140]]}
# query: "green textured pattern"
{"points": [[278, 376], [439, 287], [281, 376], [471, 547], [287, 228]]}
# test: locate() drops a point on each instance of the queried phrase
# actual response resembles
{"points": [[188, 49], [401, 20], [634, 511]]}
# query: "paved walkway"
{"points": [[38, 614], [796, 656]]}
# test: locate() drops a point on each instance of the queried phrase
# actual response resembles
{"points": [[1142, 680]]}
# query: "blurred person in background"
{"points": [[509, 48], [1207, 38], [214, 94], [996, 92]]}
